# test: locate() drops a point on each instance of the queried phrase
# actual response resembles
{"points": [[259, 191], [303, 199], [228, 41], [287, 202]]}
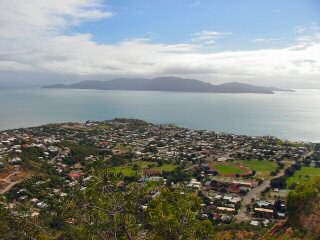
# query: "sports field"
{"points": [[302, 175], [260, 166], [225, 169]]}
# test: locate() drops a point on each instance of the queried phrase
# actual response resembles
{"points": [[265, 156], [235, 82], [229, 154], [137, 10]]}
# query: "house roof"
{"points": [[264, 210]]}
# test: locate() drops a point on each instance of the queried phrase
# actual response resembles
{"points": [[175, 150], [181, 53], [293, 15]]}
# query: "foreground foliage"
{"points": [[304, 206], [110, 208]]}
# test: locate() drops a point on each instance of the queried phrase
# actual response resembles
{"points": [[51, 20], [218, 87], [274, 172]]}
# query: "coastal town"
{"points": [[239, 178]]}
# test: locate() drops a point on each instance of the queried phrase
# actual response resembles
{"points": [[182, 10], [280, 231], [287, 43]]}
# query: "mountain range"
{"points": [[173, 84]]}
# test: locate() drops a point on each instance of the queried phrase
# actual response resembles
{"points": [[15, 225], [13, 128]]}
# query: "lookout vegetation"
{"points": [[111, 209]]}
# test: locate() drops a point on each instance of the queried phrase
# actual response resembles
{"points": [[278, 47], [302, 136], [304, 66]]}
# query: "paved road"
{"points": [[53, 160], [255, 192]]}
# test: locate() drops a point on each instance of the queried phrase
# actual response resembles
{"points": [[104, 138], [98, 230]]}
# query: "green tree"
{"points": [[107, 209], [110, 208], [173, 215], [304, 200]]}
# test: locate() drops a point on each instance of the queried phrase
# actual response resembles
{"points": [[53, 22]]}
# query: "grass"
{"points": [[260, 166], [227, 169], [143, 164], [302, 175], [127, 170], [166, 167]]}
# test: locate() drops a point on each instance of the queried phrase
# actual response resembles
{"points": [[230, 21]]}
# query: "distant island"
{"points": [[172, 84]]}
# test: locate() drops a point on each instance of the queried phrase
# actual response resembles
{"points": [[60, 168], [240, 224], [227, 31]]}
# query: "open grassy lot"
{"points": [[166, 167], [227, 168], [304, 174], [153, 165], [260, 166], [127, 169]]}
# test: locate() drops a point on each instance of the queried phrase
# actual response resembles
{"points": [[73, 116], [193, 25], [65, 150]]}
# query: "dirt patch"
{"points": [[4, 175]]}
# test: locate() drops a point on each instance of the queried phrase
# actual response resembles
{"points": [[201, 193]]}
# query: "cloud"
{"points": [[34, 39], [309, 39], [208, 37], [80, 55], [23, 18], [300, 29], [307, 28], [267, 40]]}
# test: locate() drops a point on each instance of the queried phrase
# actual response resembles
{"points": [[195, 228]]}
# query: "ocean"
{"points": [[287, 115]]}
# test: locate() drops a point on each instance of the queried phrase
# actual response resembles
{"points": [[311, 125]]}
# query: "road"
{"points": [[255, 192], [13, 183], [53, 159], [9, 186], [10, 182]]}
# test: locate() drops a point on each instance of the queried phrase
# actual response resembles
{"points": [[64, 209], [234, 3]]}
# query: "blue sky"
{"points": [[174, 21], [270, 42]]}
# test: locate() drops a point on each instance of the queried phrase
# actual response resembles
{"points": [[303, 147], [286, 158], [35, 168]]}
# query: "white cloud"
{"points": [[33, 39], [300, 29], [307, 28], [267, 40], [208, 37], [22, 18]]}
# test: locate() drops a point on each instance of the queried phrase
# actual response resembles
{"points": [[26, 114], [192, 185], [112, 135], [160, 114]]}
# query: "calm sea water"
{"points": [[294, 116]]}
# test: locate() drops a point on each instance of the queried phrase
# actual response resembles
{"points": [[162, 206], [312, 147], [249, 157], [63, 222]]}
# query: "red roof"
{"points": [[75, 174], [234, 189]]}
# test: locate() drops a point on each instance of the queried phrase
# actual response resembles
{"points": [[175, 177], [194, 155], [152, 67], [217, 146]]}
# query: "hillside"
{"points": [[172, 84]]}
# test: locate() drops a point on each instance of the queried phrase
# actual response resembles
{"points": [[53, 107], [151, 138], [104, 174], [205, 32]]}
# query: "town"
{"points": [[239, 178]]}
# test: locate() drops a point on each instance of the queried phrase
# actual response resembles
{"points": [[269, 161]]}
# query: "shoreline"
{"points": [[155, 123]]}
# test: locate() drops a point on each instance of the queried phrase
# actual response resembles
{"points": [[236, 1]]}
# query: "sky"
{"points": [[271, 42]]}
